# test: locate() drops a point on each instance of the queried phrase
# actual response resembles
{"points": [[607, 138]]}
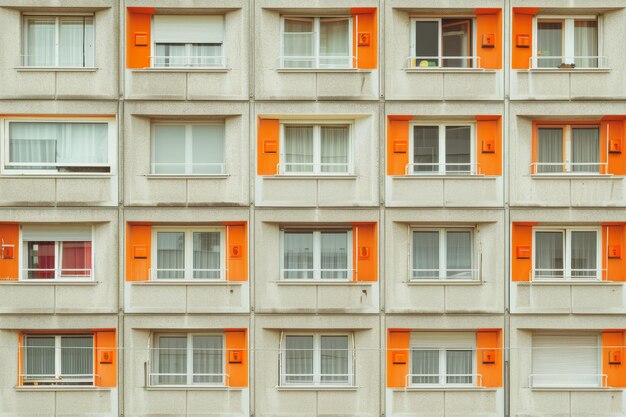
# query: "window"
{"points": [[188, 253], [188, 359], [443, 254], [567, 254], [61, 253], [58, 360], [442, 42], [58, 41], [316, 360], [62, 147], [443, 359], [442, 149], [566, 42], [566, 361], [188, 148], [188, 41], [321, 254], [568, 149], [316, 42], [321, 149]]}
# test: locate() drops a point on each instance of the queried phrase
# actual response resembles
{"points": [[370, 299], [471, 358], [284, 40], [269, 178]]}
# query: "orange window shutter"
{"points": [[237, 252], [397, 357], [398, 144], [236, 357], [138, 37], [9, 255], [489, 31], [521, 248], [489, 357], [613, 261], [365, 37], [521, 41], [105, 358], [489, 144], [268, 144], [613, 361], [612, 137], [365, 252], [138, 252]]}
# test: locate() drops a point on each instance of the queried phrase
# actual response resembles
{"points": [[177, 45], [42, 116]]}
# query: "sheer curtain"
{"points": [[584, 249], [586, 43], [334, 255], [206, 255], [334, 149], [458, 149], [335, 43], [207, 144], [76, 259], [424, 366], [298, 254], [586, 149], [298, 359], [206, 55], [172, 359], [170, 55], [426, 255], [39, 358], [298, 43], [550, 149], [208, 359], [41, 48], [459, 362], [169, 149], [71, 42], [334, 360], [170, 255], [298, 148], [549, 254], [459, 255], [550, 44], [77, 357]]}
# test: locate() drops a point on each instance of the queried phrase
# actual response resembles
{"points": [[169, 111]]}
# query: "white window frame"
{"points": [[317, 256], [154, 366], [58, 377], [475, 63], [441, 168], [568, 40], [317, 148], [111, 147], [317, 362], [58, 18], [188, 252], [443, 253], [316, 42], [567, 149], [567, 255], [188, 147]]}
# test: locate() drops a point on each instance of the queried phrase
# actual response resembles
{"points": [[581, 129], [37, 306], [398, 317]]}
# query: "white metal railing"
{"points": [[214, 274], [318, 378], [556, 380], [543, 274], [313, 168], [437, 62], [569, 167], [568, 62], [188, 61], [25, 58], [317, 274], [57, 273], [176, 379], [317, 62], [183, 168], [63, 379], [476, 380], [463, 274], [452, 168]]}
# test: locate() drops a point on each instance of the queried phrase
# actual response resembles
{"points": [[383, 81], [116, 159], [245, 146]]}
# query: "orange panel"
{"points": [[489, 340], [397, 144], [138, 37], [138, 241], [237, 252], [613, 236], [106, 370], [613, 340], [236, 340], [367, 52], [489, 22], [522, 25], [489, 129], [613, 130], [521, 235], [268, 139], [10, 235], [397, 344], [365, 252]]}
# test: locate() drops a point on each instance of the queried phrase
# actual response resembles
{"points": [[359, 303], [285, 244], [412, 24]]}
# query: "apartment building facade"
{"points": [[332, 208]]}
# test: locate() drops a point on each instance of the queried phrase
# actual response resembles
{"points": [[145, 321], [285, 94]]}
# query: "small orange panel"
{"points": [[105, 356], [364, 38], [106, 365], [138, 240], [615, 146], [612, 365], [522, 252], [270, 146], [615, 357], [489, 40], [397, 144], [521, 36], [489, 141], [141, 39], [399, 358], [235, 356], [489, 33], [615, 251], [8, 251], [364, 252], [489, 146], [140, 251], [489, 356], [521, 263], [138, 27], [613, 238], [522, 41], [400, 146]]}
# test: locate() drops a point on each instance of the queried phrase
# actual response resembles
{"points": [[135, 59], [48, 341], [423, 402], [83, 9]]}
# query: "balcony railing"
{"points": [[439, 380], [567, 380], [308, 168], [183, 168], [317, 62], [571, 168], [195, 379], [51, 379], [445, 62], [214, 274], [450, 168], [188, 61], [342, 274], [568, 62], [445, 274], [77, 274], [318, 379], [559, 275]]}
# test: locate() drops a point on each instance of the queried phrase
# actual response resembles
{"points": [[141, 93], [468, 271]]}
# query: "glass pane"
{"points": [[334, 360], [426, 149], [334, 254], [298, 360], [169, 149], [584, 253], [550, 150], [424, 366], [40, 45], [459, 367], [458, 149], [207, 149], [586, 149], [586, 43], [172, 361], [457, 42], [206, 55], [298, 149], [76, 259], [89, 44], [170, 255], [459, 255], [207, 255], [40, 260], [77, 358], [335, 148], [550, 44], [71, 43], [208, 360], [298, 41], [39, 360], [298, 256], [335, 43], [170, 55], [426, 44], [549, 255], [426, 255]]}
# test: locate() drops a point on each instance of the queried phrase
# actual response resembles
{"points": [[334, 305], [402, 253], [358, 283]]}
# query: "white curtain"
{"points": [[207, 149], [298, 359], [170, 255], [169, 149], [550, 149], [334, 255], [549, 254], [584, 251], [426, 255], [206, 55], [170, 55], [459, 362], [71, 43], [586, 43], [171, 359], [41, 48], [208, 359], [77, 356], [550, 44], [39, 358], [206, 255], [426, 148], [586, 149], [458, 149], [298, 43], [298, 254], [334, 360], [459, 255], [425, 366], [334, 148], [335, 43], [298, 148]]}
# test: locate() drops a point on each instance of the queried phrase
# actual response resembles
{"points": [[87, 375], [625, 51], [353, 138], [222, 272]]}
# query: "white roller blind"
{"points": [[60, 233], [188, 29], [565, 360], [443, 339]]}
